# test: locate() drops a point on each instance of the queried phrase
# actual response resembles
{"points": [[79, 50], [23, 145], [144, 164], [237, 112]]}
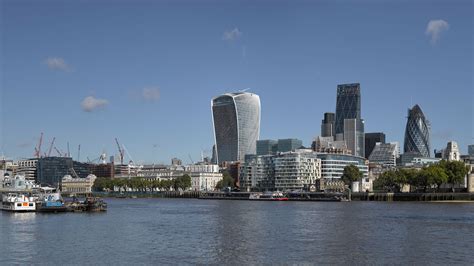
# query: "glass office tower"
{"points": [[417, 133], [236, 119], [347, 106]]}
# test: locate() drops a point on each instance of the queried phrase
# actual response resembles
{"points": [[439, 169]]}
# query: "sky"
{"points": [[87, 72]]}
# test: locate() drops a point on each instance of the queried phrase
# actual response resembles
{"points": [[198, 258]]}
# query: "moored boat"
{"points": [[50, 200], [268, 196], [18, 202]]}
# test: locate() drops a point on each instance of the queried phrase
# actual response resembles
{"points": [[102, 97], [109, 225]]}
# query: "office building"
{"points": [[51, 170], [417, 133], [354, 136], [267, 146], [470, 150], [347, 106], [285, 145], [270, 146], [236, 120], [332, 165], [385, 154], [371, 139], [328, 124], [176, 161]]}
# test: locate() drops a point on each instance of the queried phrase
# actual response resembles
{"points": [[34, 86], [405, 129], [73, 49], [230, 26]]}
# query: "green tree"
{"points": [[455, 170], [433, 175], [227, 181], [182, 182], [351, 174]]}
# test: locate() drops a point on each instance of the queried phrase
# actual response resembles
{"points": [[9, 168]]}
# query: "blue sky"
{"points": [[86, 72]]}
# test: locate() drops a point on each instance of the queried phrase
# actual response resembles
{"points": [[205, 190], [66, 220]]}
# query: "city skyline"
{"points": [[85, 87]]}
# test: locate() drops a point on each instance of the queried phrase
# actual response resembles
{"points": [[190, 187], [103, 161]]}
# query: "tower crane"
{"points": [[121, 151], [38, 147], [51, 146]]}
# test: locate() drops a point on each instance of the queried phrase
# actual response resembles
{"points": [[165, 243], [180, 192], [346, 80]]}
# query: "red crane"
{"points": [[121, 151]]}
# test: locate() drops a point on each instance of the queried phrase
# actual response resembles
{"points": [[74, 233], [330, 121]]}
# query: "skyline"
{"points": [[90, 80]]}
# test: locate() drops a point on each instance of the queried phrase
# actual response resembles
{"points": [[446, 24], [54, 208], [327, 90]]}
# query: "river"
{"points": [[192, 231]]}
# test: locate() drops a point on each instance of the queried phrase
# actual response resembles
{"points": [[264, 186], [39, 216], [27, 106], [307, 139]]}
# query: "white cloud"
{"points": [[231, 35], [151, 94], [57, 63], [90, 103], [435, 28]]}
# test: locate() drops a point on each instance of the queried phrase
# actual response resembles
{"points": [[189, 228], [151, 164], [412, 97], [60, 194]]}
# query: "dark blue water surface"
{"points": [[191, 231]]}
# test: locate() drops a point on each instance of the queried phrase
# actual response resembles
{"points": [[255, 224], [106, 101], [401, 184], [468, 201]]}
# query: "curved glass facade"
{"points": [[236, 118], [417, 133]]}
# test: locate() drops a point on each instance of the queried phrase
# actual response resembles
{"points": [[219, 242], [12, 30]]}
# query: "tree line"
{"points": [[428, 178], [142, 184]]}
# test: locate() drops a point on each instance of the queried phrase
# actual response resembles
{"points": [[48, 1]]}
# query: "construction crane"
{"points": [[121, 151], [38, 147], [51, 147], [59, 153]]}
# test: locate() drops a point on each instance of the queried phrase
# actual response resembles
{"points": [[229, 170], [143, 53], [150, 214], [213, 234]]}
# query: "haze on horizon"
{"points": [[86, 72]]}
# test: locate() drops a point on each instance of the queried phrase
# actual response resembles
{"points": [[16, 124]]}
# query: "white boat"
{"points": [[17, 202]]}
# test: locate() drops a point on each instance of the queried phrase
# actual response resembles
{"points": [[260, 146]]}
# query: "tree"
{"points": [[433, 175], [455, 170], [182, 182], [227, 181], [351, 174]]}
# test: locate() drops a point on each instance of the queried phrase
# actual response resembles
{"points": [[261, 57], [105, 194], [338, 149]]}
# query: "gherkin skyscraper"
{"points": [[417, 133]]}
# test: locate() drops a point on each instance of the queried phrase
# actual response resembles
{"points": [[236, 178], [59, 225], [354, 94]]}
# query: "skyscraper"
{"points": [[347, 106], [327, 125], [236, 119], [354, 136], [417, 133], [371, 139], [470, 150]]}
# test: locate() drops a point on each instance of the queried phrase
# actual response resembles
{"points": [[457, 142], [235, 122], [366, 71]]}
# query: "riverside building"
{"points": [[236, 120], [204, 177], [300, 169]]}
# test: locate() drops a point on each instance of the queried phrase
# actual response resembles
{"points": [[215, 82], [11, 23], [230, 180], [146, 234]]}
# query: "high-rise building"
{"points": [[285, 145], [470, 150], [385, 154], [417, 133], [354, 136], [236, 118], [267, 146], [347, 106], [371, 139], [327, 125]]}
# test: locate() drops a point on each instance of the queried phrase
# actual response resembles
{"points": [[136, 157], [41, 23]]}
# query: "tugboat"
{"points": [[268, 196], [90, 204], [50, 200]]}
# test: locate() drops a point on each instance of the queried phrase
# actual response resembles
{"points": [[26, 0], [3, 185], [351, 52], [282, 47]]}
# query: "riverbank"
{"points": [[302, 196]]}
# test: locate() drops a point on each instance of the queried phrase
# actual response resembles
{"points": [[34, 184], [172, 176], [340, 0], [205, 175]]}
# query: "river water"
{"points": [[192, 231]]}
